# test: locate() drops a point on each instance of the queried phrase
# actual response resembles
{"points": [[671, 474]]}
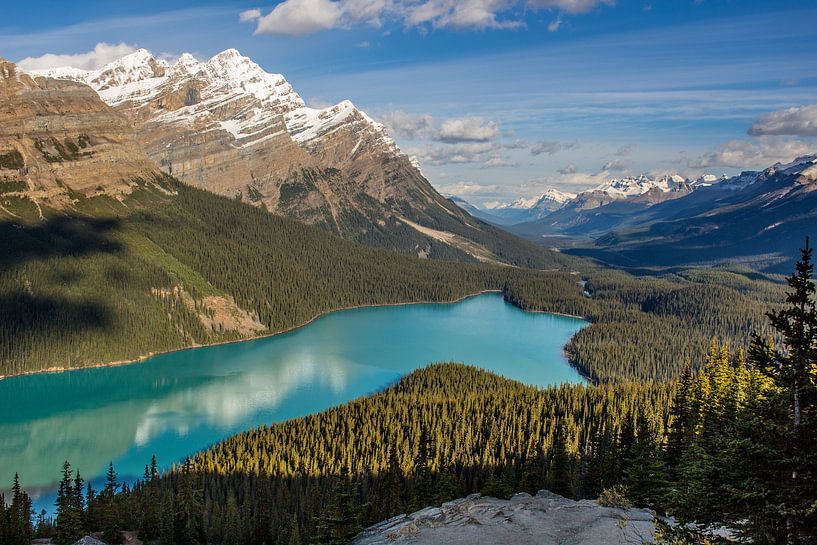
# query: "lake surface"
{"points": [[175, 404]]}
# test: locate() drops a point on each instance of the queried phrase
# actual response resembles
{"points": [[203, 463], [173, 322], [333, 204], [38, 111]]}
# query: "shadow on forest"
{"points": [[22, 309], [56, 237]]}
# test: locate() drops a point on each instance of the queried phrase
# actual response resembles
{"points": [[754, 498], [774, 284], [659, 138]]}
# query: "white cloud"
{"points": [[516, 144], [463, 14], [249, 15], [363, 45], [99, 56], [470, 152], [758, 153], [467, 129], [551, 147], [300, 17], [407, 125], [569, 169], [570, 6], [799, 121], [499, 161], [461, 189]]}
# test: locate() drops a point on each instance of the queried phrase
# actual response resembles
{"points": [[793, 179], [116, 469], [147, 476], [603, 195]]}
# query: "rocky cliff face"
{"points": [[58, 140], [544, 519], [228, 126]]}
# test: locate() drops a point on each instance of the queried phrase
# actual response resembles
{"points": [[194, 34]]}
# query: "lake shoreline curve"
{"points": [[144, 357]]}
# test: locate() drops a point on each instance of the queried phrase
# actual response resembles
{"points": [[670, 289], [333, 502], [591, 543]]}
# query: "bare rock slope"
{"points": [[227, 126], [58, 140], [544, 519]]}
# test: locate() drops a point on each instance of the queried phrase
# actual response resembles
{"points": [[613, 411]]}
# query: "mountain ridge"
{"points": [[228, 126]]}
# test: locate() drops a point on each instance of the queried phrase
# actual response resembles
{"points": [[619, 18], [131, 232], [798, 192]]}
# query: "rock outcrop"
{"points": [[58, 141], [544, 519]]}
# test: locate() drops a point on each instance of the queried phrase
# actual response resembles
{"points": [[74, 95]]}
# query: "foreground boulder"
{"points": [[544, 519]]}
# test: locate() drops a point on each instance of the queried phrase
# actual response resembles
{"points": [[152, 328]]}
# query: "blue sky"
{"points": [[500, 98]]}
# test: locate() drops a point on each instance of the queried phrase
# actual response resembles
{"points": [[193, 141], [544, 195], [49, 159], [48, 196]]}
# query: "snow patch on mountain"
{"points": [[222, 83]]}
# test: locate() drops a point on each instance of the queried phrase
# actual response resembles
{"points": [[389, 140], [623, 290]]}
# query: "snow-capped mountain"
{"points": [[551, 197], [527, 209], [226, 125], [634, 186]]}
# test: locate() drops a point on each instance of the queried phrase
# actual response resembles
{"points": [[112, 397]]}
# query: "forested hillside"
{"points": [[439, 433], [172, 266], [729, 445]]}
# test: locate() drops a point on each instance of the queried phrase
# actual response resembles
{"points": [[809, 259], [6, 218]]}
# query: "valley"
{"points": [[549, 282]]}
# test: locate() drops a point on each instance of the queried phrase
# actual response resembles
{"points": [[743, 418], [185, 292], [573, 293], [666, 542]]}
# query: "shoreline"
{"points": [[144, 357]]}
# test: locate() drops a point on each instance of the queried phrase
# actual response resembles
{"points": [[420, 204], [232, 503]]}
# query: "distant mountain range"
{"points": [[758, 218], [227, 126]]}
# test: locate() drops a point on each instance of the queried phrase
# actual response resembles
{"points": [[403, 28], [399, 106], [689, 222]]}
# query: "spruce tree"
{"points": [[560, 473], [794, 374], [109, 505], [69, 527], [341, 520]]}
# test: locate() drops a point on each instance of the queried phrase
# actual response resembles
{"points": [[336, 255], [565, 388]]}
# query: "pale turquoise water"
{"points": [[176, 404]]}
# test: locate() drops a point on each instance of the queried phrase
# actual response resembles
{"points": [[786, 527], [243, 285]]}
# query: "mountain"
{"points": [[478, 213], [605, 206], [524, 209], [756, 218], [59, 141], [227, 126], [104, 257]]}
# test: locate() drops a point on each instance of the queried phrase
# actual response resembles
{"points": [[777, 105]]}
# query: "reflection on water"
{"points": [[175, 404]]}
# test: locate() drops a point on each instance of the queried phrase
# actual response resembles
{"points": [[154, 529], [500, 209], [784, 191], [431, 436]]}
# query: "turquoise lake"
{"points": [[175, 404]]}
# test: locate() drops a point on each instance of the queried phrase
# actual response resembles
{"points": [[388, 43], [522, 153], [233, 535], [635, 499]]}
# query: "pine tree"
{"points": [[232, 533], [189, 526], [560, 474], [794, 374], [533, 470], [646, 479], [167, 516], [18, 523], [422, 490], [109, 506], [679, 419], [391, 490], [341, 521], [68, 517]]}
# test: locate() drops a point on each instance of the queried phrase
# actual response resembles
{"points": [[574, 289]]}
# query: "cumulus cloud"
{"points": [[799, 121], [569, 169], [555, 24], [461, 189], [499, 161], [300, 17], [249, 15], [467, 129], [469, 14], [570, 6], [99, 56], [516, 144], [409, 126], [447, 154], [551, 147], [758, 153]]}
